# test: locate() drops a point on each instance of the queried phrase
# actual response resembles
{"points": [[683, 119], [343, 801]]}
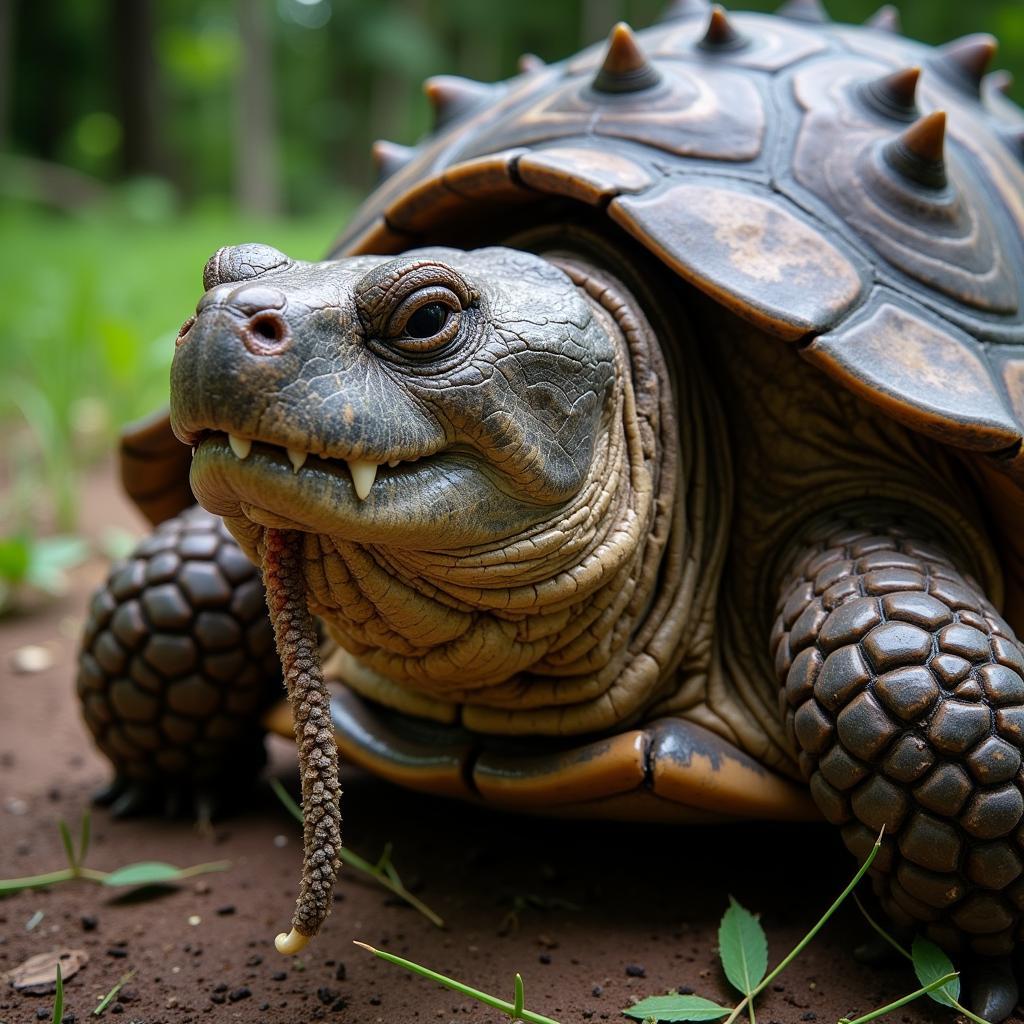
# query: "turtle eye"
{"points": [[425, 321]]}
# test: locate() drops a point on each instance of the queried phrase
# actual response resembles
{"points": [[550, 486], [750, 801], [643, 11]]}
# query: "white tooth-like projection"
{"points": [[297, 458], [393, 462], [363, 475], [241, 446]]}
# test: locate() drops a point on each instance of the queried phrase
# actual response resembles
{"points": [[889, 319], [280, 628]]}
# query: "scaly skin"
{"points": [[511, 575]]}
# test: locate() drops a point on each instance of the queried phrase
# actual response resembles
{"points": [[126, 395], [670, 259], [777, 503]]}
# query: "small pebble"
{"points": [[339, 972], [636, 971], [809, 1015], [597, 991], [226, 910], [280, 841], [239, 993], [89, 922], [30, 659], [16, 806], [685, 990], [278, 976], [195, 919], [326, 995], [544, 958], [117, 953]]}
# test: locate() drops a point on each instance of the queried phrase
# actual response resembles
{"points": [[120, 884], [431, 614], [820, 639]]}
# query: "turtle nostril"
{"points": [[267, 334]]}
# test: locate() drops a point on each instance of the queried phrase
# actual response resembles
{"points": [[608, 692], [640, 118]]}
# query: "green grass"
{"points": [[92, 306]]}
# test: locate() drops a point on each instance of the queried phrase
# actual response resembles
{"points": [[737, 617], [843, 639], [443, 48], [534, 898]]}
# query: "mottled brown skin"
{"points": [[747, 350]]}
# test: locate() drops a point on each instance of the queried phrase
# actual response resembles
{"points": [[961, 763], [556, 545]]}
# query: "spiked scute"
{"points": [[894, 95], [720, 33], [966, 60], [684, 9], [451, 97], [918, 154], [804, 10], [529, 63], [1000, 81], [390, 157], [886, 19], [625, 67]]}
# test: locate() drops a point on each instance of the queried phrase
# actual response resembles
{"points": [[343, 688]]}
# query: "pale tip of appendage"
{"points": [[292, 943], [363, 945]]}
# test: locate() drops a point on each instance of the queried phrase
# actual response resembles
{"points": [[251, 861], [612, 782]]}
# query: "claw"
{"points": [[106, 795], [137, 798], [993, 988], [876, 952]]}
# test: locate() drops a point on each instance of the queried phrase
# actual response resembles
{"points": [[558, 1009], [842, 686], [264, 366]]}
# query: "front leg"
{"points": [[903, 691]]}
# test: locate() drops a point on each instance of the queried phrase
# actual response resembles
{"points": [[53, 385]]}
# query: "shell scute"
{"points": [[758, 257], [925, 373]]}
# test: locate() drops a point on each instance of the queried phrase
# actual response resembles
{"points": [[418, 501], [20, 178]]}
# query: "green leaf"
{"points": [[671, 1008], [58, 999], [84, 836], [153, 872], [930, 964], [743, 947], [15, 557], [147, 872], [69, 849]]}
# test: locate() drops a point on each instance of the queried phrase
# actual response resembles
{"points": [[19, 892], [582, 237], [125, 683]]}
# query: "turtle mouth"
{"points": [[275, 485], [362, 472]]}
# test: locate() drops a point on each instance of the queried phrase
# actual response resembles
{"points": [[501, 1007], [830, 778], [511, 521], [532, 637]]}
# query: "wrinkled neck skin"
{"points": [[575, 625]]}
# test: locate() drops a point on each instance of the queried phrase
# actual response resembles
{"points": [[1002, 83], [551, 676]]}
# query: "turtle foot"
{"points": [[173, 799], [993, 989], [876, 952]]}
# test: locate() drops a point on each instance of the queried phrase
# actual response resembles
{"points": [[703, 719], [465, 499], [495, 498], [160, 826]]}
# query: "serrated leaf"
{"points": [[147, 872], [743, 947], [930, 964], [673, 1008]]}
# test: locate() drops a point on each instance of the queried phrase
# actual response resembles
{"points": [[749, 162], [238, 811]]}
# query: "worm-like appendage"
{"points": [[318, 756]]}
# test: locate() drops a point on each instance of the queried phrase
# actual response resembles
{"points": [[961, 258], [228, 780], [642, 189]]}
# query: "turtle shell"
{"points": [[846, 190], [853, 193]]}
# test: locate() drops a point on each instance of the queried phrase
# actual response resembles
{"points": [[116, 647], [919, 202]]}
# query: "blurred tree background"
{"points": [[137, 136]]}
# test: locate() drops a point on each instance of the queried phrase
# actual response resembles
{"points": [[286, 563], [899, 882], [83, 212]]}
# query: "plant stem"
{"points": [[388, 879], [895, 945], [456, 986], [881, 931], [36, 881], [799, 947], [938, 983]]}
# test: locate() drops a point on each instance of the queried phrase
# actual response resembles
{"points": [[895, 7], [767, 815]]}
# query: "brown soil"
{"points": [[594, 915]]}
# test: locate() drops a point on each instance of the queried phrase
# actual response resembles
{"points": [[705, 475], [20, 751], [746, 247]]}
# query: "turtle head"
{"points": [[435, 400]]}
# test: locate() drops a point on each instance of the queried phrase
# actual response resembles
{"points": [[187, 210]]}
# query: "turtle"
{"points": [[648, 447]]}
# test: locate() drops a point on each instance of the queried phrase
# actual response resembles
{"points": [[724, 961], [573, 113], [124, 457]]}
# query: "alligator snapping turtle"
{"points": [[649, 446]]}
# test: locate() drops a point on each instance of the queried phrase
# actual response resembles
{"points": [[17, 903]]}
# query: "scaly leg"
{"points": [[176, 669], [903, 691]]}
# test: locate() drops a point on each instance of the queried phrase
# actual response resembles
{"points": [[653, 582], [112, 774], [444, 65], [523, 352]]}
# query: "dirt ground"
{"points": [[592, 915]]}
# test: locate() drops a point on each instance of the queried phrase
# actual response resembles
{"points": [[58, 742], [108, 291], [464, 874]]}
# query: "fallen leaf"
{"points": [[37, 976]]}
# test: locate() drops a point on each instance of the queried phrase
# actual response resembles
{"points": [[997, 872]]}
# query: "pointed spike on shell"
{"points": [[528, 63], [677, 9], [390, 157], [886, 19], [895, 94], [919, 153], [968, 58], [720, 34], [452, 96], [625, 67], [804, 10], [999, 81]]}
